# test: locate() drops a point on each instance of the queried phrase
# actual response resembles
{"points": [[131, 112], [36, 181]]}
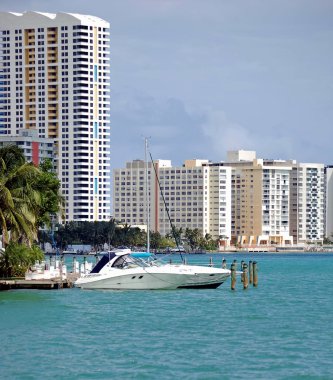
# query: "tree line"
{"points": [[115, 234]]}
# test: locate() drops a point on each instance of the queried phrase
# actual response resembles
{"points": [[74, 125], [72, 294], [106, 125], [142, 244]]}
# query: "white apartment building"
{"points": [[277, 201], [308, 202], [329, 202], [217, 201], [55, 78]]}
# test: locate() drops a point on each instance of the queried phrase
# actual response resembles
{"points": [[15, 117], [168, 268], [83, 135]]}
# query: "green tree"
{"points": [[48, 184], [193, 237], [175, 234], [208, 243], [17, 258], [19, 200], [155, 240]]}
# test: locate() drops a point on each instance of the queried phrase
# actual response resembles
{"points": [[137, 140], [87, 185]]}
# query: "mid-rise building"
{"points": [[190, 196], [35, 149], [54, 78], [183, 192], [129, 193]]}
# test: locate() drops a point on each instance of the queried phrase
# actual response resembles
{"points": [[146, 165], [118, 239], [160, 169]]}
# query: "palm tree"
{"points": [[19, 201]]}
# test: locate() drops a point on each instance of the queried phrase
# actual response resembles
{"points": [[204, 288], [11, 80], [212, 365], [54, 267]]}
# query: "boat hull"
{"points": [[132, 281], [201, 286], [199, 277]]}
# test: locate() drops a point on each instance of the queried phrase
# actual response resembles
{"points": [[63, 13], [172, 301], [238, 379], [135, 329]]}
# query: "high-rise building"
{"points": [[276, 201], [54, 78], [217, 201], [307, 212], [329, 202], [259, 199]]}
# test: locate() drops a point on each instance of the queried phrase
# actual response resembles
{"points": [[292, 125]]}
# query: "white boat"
{"points": [[121, 270]]}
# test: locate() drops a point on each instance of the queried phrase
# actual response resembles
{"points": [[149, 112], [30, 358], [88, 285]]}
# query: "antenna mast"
{"points": [[147, 197]]}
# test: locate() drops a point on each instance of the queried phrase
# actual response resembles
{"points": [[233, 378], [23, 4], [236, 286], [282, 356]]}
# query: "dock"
{"points": [[54, 283]]}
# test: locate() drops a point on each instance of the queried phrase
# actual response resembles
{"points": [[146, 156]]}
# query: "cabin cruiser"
{"points": [[120, 269]]}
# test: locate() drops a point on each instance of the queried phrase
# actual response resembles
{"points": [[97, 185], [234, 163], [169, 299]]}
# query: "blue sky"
{"points": [[200, 77]]}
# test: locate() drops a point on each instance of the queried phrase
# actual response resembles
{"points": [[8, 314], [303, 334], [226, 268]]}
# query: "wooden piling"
{"points": [[74, 264], [245, 277], [251, 271], [255, 274], [224, 263], [242, 266], [84, 264], [60, 266], [233, 276]]}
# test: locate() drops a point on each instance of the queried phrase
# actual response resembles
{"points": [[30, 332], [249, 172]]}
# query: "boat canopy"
{"points": [[141, 255], [122, 259], [102, 262]]}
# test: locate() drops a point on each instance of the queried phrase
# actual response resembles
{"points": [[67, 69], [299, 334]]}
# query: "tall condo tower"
{"points": [[55, 78]]}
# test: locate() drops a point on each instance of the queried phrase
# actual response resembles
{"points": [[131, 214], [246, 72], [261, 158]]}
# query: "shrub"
{"points": [[17, 258]]}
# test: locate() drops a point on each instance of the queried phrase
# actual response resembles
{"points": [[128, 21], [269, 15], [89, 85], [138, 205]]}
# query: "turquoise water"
{"points": [[281, 330]]}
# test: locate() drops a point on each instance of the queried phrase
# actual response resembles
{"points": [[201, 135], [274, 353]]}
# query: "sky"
{"points": [[201, 77]]}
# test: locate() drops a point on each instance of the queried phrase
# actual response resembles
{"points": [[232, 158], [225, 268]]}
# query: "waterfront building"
{"points": [[217, 216], [35, 149], [329, 202], [244, 200], [54, 78], [307, 209], [191, 195], [260, 199], [129, 193], [183, 191]]}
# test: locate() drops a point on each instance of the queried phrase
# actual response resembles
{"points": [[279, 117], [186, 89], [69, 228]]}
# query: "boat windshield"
{"points": [[127, 261], [154, 261]]}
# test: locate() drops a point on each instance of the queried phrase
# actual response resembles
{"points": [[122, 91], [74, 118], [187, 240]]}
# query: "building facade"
{"points": [[191, 196], [129, 193], [329, 202], [308, 202], [217, 217], [245, 200], [54, 78], [35, 149], [259, 200]]}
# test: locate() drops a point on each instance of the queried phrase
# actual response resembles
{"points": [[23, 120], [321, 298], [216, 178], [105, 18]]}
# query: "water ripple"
{"points": [[280, 330]]}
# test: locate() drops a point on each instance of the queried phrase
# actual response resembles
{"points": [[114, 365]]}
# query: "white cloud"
{"points": [[224, 134]]}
